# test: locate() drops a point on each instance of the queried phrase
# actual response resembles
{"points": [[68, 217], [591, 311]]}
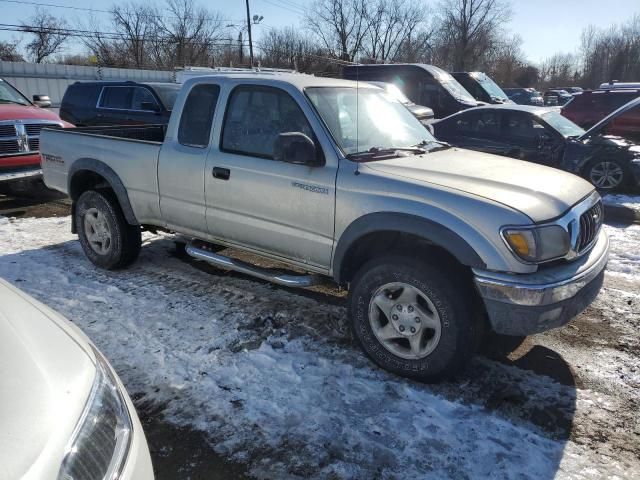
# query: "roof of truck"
{"points": [[298, 80]]}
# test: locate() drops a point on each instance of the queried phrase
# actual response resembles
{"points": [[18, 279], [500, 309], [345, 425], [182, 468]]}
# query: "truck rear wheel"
{"points": [[412, 318], [106, 237]]}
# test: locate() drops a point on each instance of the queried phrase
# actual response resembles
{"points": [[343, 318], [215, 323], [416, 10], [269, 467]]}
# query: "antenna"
{"points": [[357, 172]]}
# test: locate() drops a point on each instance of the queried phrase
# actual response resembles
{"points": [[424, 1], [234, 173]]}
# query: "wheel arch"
{"points": [[397, 230], [89, 173]]}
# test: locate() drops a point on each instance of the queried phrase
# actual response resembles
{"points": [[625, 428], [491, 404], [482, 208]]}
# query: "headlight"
{"points": [[100, 442], [538, 244]]}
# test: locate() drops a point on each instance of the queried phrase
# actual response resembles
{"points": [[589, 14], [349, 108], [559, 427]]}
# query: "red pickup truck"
{"points": [[20, 123]]}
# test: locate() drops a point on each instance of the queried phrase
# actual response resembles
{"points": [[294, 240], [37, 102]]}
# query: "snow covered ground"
{"points": [[621, 200], [272, 377]]}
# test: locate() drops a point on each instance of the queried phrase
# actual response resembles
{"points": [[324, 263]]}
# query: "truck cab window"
{"points": [[256, 116], [197, 116]]}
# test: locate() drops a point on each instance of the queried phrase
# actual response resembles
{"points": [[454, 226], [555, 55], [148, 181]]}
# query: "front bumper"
{"points": [[532, 303], [21, 174]]}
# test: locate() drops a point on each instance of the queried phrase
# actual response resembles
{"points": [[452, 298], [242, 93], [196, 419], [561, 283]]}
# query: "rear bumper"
{"points": [[532, 303]]}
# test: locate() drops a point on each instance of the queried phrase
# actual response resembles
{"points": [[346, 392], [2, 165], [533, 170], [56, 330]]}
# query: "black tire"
{"points": [[125, 240], [624, 182], [452, 299]]}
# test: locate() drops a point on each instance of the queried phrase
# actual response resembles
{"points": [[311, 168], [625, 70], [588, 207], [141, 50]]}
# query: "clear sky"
{"points": [[546, 26]]}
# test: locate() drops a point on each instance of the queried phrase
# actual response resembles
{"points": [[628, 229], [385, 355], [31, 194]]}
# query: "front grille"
{"points": [[9, 146], [22, 138], [33, 129], [7, 131], [590, 223]]}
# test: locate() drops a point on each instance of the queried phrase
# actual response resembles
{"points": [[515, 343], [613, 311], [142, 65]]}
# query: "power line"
{"points": [[110, 35], [96, 10], [296, 10]]}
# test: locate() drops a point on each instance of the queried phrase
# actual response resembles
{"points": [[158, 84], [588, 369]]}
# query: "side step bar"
{"points": [[229, 263]]}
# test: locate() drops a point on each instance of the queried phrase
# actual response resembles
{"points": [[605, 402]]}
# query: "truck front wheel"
{"points": [[106, 237], [412, 318]]}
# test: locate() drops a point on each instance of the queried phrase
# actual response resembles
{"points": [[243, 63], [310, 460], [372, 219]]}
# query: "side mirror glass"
{"points": [[296, 147], [42, 101]]}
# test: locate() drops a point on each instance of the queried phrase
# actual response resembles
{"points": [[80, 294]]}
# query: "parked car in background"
{"points": [[21, 121], [64, 413], [615, 85], [422, 113], [571, 90], [557, 97], [524, 96], [430, 240], [423, 84], [544, 136], [481, 86], [118, 103], [591, 106]]}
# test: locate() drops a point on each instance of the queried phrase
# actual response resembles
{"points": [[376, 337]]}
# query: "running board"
{"points": [[229, 263]]}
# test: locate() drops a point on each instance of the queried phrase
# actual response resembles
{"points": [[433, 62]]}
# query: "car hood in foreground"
{"points": [[540, 192], [46, 374], [26, 112]]}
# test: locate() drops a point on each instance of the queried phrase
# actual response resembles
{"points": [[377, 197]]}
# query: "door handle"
{"points": [[221, 173]]}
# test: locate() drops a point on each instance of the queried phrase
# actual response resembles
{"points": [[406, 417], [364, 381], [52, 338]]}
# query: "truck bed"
{"points": [[131, 151]]}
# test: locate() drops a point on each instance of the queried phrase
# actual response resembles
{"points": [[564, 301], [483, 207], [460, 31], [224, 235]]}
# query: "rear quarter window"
{"points": [[81, 96]]}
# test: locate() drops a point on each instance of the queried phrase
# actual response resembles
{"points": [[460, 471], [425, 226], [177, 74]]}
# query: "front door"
{"points": [[258, 201], [182, 161]]}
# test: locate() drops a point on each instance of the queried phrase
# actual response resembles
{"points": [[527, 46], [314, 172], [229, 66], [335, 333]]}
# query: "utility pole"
{"points": [[250, 40]]}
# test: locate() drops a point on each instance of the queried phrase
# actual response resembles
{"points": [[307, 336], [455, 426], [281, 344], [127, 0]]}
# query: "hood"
{"points": [[45, 380], [420, 111], [26, 112], [540, 192], [602, 124]]}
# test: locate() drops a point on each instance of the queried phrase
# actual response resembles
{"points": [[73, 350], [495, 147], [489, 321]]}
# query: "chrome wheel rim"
{"points": [[97, 231], [606, 175], [404, 320]]}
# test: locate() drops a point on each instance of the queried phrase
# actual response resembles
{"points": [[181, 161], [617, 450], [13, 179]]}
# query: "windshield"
{"points": [[167, 94], [454, 88], [8, 94], [396, 94], [491, 87], [362, 119], [562, 124]]}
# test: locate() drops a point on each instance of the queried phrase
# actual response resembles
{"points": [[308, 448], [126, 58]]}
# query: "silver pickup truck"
{"points": [[340, 181]]}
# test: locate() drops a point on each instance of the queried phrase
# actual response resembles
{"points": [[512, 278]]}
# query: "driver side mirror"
{"points": [[42, 101], [296, 147]]}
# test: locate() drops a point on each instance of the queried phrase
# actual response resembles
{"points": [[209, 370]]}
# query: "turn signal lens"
{"points": [[538, 244]]}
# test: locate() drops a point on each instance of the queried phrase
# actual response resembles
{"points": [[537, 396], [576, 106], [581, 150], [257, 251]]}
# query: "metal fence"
{"points": [[52, 79]]}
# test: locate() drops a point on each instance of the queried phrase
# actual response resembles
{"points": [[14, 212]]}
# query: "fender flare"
{"points": [[106, 172], [433, 232]]}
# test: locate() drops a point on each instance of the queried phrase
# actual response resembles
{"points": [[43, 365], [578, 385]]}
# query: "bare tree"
{"points": [[192, 35], [469, 29], [339, 25], [49, 34], [559, 69], [9, 52], [389, 25]]}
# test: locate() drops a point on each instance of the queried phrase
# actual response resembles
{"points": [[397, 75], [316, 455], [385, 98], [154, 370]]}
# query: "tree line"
{"points": [[457, 35]]}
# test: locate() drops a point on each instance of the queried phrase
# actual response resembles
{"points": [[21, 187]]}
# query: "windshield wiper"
{"points": [[376, 153], [438, 145]]}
